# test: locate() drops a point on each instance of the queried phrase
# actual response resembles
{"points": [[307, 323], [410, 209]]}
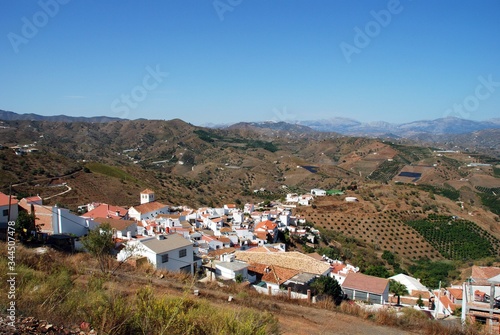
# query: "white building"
{"points": [[318, 192], [168, 252]]}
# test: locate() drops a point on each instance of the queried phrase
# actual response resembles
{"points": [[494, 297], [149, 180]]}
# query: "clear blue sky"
{"points": [[251, 60]]}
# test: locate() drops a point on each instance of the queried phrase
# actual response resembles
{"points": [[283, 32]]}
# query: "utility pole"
{"points": [[10, 202]]}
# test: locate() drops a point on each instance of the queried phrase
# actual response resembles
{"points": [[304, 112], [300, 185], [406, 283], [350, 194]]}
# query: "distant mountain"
{"points": [[281, 126], [442, 126], [11, 116]]}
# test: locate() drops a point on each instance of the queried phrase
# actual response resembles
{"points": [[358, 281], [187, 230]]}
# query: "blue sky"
{"points": [[224, 61]]}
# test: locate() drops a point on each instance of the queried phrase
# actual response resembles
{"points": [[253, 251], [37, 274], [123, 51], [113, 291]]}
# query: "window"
{"points": [[5, 212], [164, 258], [182, 253]]}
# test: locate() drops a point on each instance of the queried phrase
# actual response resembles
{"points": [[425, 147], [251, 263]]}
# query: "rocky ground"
{"points": [[32, 326]]}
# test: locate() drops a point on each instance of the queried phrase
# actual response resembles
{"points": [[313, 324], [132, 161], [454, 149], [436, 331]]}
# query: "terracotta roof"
{"points": [[149, 207], [225, 230], [262, 235], [447, 303], [35, 198], [218, 252], [147, 191], [224, 239], [481, 274], [208, 238], [316, 256], [274, 274], [456, 293], [106, 211], [4, 200], [291, 260], [231, 206], [263, 249], [338, 267], [365, 283], [115, 223], [267, 225]]}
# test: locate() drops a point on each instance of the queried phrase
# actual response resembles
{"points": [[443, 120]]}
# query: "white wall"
{"points": [[13, 213], [64, 222]]}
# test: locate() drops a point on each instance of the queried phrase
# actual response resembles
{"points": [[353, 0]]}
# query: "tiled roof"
{"points": [[35, 198], [267, 225], [447, 303], [291, 260], [338, 267], [263, 249], [149, 207], [274, 274], [224, 239], [365, 283], [316, 256], [261, 235], [218, 252], [481, 274], [115, 223], [4, 200], [456, 293], [147, 191], [106, 211]]}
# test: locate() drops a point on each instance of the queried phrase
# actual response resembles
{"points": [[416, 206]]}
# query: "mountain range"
{"points": [[345, 126]]}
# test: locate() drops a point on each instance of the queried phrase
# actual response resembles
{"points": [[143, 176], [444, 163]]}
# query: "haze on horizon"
{"points": [[224, 61]]}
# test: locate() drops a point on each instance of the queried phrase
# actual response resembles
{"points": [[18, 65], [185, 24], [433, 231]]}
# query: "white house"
{"points": [[149, 207], [292, 197], [248, 208], [147, 211], [318, 192], [229, 268], [4, 208], [147, 196], [168, 252], [64, 222], [305, 200]]}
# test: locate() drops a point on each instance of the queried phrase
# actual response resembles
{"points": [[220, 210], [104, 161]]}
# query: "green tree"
{"points": [[420, 302], [25, 223], [99, 243], [397, 289], [377, 271], [324, 285], [389, 257], [239, 278]]}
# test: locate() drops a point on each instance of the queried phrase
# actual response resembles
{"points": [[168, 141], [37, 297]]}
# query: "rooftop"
{"points": [[290, 260], [106, 211], [170, 242], [366, 283], [4, 200], [149, 207], [116, 223]]}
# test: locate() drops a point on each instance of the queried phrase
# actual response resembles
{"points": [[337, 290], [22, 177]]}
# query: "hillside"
{"points": [[396, 182]]}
